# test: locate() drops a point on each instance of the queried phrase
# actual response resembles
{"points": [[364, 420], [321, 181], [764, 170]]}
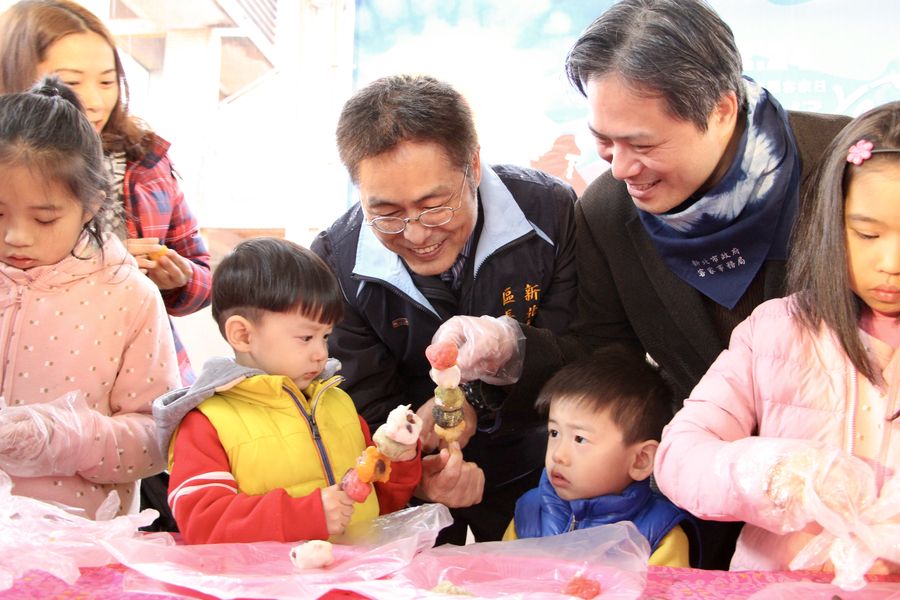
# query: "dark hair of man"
{"points": [[620, 381], [401, 108], [679, 50], [273, 275], [46, 131], [818, 266]]}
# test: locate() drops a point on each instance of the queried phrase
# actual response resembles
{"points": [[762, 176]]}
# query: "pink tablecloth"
{"points": [[663, 583], [671, 583]]}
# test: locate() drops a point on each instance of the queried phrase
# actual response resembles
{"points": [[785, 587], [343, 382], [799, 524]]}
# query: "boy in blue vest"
{"points": [[606, 415]]}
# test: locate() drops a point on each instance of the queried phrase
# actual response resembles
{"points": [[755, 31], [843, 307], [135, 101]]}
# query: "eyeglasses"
{"points": [[430, 217]]}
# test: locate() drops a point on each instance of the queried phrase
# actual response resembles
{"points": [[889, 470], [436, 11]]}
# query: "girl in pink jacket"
{"points": [[151, 215], [84, 341], [794, 428]]}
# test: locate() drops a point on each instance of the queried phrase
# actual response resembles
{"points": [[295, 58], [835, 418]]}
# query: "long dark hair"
{"points": [[46, 130], [818, 269], [29, 27]]}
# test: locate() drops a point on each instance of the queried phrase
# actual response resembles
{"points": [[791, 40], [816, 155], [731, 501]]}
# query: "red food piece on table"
{"points": [[355, 487], [442, 355], [582, 587]]}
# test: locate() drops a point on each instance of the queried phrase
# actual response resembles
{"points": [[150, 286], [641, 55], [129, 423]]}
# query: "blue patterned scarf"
{"points": [[718, 243]]}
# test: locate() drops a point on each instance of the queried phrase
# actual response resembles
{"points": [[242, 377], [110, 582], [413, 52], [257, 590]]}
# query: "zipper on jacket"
{"points": [[851, 425], [314, 427], [885, 439], [572, 525], [510, 244], [7, 338]]}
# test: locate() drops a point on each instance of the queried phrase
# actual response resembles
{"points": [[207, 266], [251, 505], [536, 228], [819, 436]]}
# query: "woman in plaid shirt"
{"points": [[40, 37]]}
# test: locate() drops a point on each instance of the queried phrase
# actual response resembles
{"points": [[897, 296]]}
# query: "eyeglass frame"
{"points": [[407, 220]]}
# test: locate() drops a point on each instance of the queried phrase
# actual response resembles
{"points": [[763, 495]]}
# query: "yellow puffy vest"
{"points": [[270, 443]]}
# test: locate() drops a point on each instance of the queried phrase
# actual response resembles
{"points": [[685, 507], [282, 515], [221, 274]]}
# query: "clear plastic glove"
{"points": [[857, 540], [24, 436], [823, 485], [786, 484], [53, 438], [780, 484], [491, 349]]}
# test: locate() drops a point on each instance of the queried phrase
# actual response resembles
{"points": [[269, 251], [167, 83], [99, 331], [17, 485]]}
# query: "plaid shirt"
{"points": [[155, 207]]}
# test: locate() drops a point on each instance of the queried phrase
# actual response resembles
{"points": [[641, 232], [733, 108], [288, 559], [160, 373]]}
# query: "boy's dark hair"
{"points": [[274, 275], [46, 131], [619, 380]]}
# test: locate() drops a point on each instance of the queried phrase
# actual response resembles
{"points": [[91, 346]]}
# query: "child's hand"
{"points": [[23, 437], [165, 267], [431, 441], [808, 483], [338, 507], [51, 438]]}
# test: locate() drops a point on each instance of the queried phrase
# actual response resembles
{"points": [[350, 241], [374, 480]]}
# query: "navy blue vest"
{"points": [[541, 512]]}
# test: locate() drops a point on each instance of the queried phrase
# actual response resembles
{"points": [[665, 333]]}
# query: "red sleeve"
{"points": [[208, 507], [395, 493]]}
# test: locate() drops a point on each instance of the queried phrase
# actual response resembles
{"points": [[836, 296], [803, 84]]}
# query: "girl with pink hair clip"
{"points": [[794, 429]]}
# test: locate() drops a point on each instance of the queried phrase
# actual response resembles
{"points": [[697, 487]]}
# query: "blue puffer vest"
{"points": [[541, 512]]}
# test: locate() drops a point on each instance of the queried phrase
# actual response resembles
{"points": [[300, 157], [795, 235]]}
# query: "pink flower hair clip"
{"points": [[860, 152]]}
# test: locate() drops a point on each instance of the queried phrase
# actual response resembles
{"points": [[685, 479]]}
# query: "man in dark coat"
{"points": [[439, 233]]}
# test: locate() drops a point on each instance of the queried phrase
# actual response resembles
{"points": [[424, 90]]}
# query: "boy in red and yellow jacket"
{"points": [[260, 442]]}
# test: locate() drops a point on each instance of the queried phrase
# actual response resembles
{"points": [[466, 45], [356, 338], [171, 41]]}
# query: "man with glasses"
{"points": [[438, 233]]}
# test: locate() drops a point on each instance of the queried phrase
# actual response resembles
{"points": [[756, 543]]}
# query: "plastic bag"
{"points": [[615, 556], [854, 542], [777, 482], [785, 484], [35, 535], [264, 569]]}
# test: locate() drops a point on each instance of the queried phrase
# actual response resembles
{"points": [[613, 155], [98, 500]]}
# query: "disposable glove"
{"points": [[491, 349], [52, 438]]}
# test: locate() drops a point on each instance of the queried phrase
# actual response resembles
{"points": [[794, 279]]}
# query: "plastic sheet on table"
{"points": [[264, 569], [36, 535], [615, 556]]}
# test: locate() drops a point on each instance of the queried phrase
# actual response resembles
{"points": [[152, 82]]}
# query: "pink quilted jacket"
{"points": [[101, 328], [774, 381]]}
